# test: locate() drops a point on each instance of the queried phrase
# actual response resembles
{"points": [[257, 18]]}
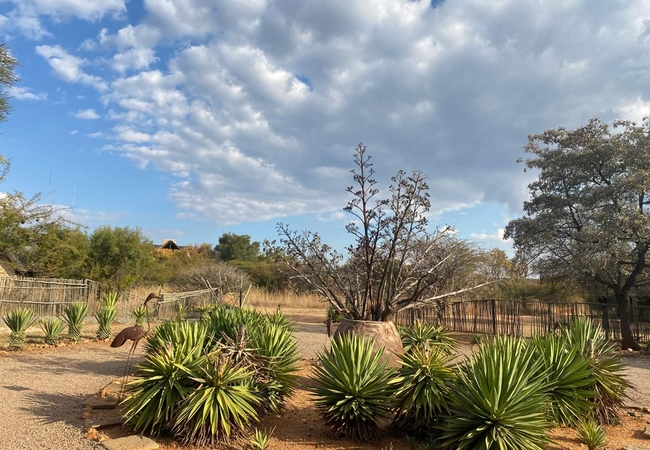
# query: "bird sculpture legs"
{"points": [[129, 360]]}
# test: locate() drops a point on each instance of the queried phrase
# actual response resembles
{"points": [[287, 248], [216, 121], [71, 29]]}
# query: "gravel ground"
{"points": [[42, 390]]}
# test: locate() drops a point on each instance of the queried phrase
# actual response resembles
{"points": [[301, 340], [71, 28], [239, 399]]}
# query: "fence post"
{"points": [[493, 305], [606, 321]]}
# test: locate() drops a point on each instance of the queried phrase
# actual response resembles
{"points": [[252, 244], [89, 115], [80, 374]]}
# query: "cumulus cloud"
{"points": [[266, 100], [495, 236], [86, 114], [69, 67], [25, 93]]}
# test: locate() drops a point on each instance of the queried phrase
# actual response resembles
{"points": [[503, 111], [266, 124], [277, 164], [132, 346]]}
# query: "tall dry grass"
{"points": [[259, 298]]}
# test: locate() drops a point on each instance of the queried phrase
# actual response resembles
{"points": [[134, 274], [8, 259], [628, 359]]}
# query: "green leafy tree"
{"points": [[30, 230], [588, 217], [61, 251], [119, 256], [170, 264], [237, 247]]}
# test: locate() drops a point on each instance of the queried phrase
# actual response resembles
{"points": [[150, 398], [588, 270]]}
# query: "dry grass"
{"points": [[259, 298]]}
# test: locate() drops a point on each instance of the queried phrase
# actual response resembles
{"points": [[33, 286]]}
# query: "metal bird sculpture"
{"points": [[135, 334]]}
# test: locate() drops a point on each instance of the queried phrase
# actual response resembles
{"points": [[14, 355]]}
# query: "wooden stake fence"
{"points": [[524, 318]]}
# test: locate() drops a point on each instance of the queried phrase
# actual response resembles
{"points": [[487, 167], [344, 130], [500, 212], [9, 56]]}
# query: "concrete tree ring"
{"points": [[382, 333]]}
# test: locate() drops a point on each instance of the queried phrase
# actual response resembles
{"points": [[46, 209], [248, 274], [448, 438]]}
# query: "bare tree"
{"points": [[395, 262]]}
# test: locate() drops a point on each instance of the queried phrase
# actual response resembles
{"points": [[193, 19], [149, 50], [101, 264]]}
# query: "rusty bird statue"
{"points": [[135, 334]]}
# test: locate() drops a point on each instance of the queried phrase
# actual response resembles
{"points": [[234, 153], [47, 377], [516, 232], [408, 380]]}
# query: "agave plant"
{"points": [[181, 311], [181, 335], [611, 386], [163, 380], [222, 406], [592, 434], [568, 379], [427, 335], [74, 315], [18, 320], [425, 378], [261, 439], [498, 400], [53, 327], [106, 314], [276, 375], [139, 313], [204, 311], [353, 387]]}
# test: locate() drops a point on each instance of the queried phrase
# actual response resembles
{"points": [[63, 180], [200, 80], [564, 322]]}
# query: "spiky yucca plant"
{"points": [[611, 386], [106, 314], [424, 381], [181, 311], [261, 439], [18, 320], [275, 343], [498, 401], [221, 406], [426, 335], [74, 315], [139, 314], [163, 380], [592, 434], [353, 387], [568, 379], [53, 327]]}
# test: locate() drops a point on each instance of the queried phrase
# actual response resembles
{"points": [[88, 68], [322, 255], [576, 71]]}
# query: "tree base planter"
{"points": [[382, 333]]}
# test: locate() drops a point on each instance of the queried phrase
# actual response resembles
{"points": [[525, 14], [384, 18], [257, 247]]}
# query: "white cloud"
{"points": [[25, 93], [96, 135], [27, 16], [74, 132], [68, 67], [266, 100], [86, 114], [495, 236]]}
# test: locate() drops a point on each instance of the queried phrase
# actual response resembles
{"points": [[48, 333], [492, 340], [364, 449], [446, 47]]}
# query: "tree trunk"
{"points": [[627, 337]]}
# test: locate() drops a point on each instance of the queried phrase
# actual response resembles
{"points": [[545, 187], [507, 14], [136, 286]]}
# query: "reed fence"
{"points": [[525, 318], [46, 296]]}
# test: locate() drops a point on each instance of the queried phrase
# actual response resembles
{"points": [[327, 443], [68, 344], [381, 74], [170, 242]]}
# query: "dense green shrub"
{"points": [[18, 320], [424, 381], [353, 387], [498, 400]]}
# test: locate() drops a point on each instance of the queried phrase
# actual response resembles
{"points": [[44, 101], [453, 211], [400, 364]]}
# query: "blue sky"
{"points": [[190, 118]]}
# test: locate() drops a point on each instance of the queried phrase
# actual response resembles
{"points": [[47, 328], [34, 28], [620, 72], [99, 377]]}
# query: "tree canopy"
{"points": [[233, 246], [119, 256], [587, 216]]}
